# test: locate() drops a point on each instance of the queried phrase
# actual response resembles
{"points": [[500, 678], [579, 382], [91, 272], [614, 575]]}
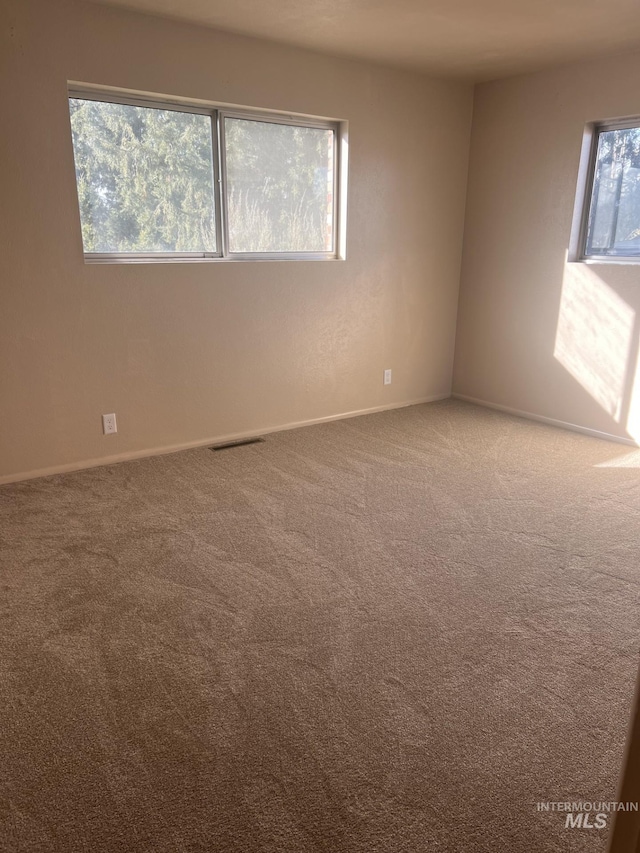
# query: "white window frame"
{"points": [[217, 114], [584, 200]]}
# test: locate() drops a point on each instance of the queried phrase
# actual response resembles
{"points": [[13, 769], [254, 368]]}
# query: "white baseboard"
{"points": [[531, 416], [204, 442]]}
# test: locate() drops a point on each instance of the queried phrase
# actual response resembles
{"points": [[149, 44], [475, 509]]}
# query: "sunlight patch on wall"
{"points": [[594, 335], [633, 418]]}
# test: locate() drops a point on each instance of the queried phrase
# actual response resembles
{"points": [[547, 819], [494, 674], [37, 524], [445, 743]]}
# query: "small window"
{"points": [[161, 181], [612, 221]]}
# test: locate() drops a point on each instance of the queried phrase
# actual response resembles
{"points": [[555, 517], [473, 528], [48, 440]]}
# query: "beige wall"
{"points": [[535, 333], [187, 353]]}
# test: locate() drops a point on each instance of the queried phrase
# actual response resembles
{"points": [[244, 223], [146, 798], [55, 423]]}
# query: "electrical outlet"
{"points": [[387, 377], [109, 424]]}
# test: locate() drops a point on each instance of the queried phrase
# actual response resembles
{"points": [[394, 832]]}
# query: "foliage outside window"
{"points": [[162, 181], [613, 218]]}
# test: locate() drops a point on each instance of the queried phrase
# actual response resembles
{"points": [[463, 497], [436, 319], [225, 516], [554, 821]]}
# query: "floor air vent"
{"points": [[239, 442]]}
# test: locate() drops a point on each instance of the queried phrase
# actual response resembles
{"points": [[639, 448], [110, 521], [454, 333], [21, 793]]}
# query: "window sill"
{"points": [[616, 261], [92, 259]]}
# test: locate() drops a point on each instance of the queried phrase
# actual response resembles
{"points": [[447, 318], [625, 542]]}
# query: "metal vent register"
{"points": [[239, 442]]}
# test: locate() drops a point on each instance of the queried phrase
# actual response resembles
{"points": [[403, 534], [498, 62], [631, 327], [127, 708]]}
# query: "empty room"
{"points": [[319, 426]]}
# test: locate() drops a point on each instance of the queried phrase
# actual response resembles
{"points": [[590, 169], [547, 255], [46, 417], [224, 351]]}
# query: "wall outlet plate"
{"points": [[109, 424], [387, 377]]}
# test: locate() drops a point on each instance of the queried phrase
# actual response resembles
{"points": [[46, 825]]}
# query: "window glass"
{"points": [[145, 178], [614, 215], [279, 184]]}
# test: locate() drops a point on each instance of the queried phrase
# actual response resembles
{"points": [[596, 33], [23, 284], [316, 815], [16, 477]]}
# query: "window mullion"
{"points": [[216, 183], [222, 184]]}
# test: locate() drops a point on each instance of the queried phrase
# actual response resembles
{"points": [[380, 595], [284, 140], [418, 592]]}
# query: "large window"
{"points": [[611, 229], [161, 181]]}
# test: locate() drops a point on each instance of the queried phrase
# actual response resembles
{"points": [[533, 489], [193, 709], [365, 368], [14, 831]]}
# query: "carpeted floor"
{"points": [[391, 634]]}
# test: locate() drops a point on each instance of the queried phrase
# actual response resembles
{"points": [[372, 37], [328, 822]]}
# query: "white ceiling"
{"points": [[472, 39]]}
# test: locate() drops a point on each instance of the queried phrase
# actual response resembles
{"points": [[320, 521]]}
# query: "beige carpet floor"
{"points": [[391, 634]]}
